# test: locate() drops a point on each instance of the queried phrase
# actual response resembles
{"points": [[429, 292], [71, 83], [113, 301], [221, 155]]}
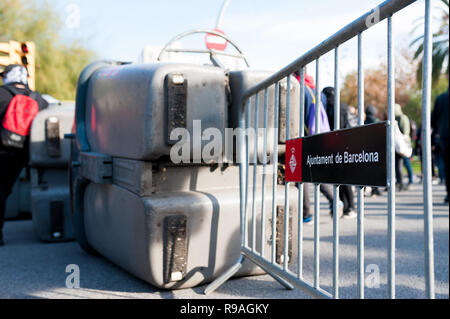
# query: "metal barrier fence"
{"points": [[280, 271]]}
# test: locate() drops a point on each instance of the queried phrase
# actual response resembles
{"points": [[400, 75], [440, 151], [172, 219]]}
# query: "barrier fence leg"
{"points": [[223, 278], [280, 280]]}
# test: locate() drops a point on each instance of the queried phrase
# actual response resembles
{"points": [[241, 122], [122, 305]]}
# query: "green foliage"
{"points": [[440, 49], [57, 64], [414, 106]]}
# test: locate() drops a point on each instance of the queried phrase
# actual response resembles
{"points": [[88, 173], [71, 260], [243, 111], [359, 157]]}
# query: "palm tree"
{"points": [[440, 46]]}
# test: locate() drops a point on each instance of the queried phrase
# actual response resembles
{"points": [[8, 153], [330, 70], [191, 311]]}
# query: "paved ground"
{"points": [[30, 269]]}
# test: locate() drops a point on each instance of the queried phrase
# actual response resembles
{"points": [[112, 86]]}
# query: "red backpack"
{"points": [[19, 115]]}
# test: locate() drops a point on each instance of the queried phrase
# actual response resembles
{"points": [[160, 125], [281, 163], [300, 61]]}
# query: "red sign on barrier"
{"points": [[214, 42], [293, 171], [355, 156]]}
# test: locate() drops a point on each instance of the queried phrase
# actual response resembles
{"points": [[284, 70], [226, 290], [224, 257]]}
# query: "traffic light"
{"points": [[22, 53], [27, 59]]}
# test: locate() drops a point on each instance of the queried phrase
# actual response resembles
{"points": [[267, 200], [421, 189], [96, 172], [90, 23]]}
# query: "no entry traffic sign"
{"points": [[354, 156], [214, 42]]}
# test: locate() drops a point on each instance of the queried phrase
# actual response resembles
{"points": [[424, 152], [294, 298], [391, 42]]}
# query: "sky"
{"points": [[270, 33]]}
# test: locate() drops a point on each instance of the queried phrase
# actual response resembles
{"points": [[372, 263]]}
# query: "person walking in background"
{"points": [[409, 170], [17, 102], [440, 125], [439, 159], [345, 191], [414, 138], [371, 115], [371, 118], [310, 110], [405, 129], [407, 160], [418, 150], [309, 119], [307, 215], [438, 156]]}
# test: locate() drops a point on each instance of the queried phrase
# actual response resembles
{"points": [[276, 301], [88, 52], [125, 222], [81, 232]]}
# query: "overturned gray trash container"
{"points": [[173, 225], [49, 160], [18, 203]]}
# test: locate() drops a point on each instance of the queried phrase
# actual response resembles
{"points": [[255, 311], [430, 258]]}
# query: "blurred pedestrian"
{"points": [[405, 129], [440, 125], [419, 149], [438, 156], [352, 115], [407, 160], [18, 105], [345, 191], [372, 118], [309, 120], [407, 164], [414, 138]]}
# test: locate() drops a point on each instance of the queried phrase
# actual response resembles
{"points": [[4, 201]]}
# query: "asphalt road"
{"points": [[30, 269]]}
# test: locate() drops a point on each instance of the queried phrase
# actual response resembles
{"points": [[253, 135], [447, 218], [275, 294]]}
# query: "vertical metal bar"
{"points": [[391, 163], [360, 231], [286, 195], [275, 172], [247, 160], [360, 81], [337, 124], [426, 138], [255, 163], [242, 180], [317, 188], [263, 200], [316, 235], [301, 186], [360, 193]]}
